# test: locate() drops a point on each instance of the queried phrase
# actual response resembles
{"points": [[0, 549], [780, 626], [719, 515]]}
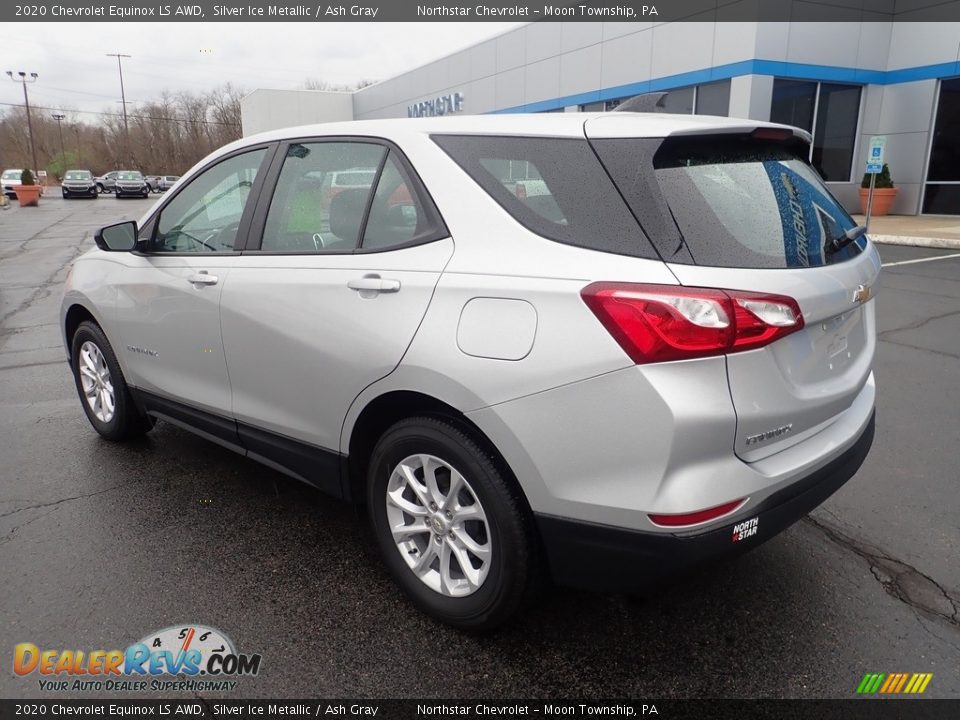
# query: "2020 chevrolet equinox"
{"points": [[605, 346]]}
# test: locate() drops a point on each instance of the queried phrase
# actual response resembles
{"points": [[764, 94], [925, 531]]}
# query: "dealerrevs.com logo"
{"points": [[185, 658]]}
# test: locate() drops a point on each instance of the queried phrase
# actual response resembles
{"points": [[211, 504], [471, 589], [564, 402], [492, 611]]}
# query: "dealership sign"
{"points": [[440, 105]]}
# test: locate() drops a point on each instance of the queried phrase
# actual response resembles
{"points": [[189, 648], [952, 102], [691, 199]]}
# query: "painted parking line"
{"points": [[922, 260]]}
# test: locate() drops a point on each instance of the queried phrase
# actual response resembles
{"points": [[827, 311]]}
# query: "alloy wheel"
{"points": [[96, 381], [438, 525]]}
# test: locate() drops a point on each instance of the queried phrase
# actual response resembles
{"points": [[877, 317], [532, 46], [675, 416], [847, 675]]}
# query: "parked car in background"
{"points": [[339, 182], [131, 183], [79, 183], [648, 365], [153, 182], [11, 177], [107, 183], [167, 182]]}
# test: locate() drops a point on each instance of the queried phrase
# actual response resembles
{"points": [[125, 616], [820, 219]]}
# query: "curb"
{"points": [[929, 242]]}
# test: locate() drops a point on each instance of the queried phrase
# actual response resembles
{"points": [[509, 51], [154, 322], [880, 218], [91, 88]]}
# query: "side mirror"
{"points": [[121, 237]]}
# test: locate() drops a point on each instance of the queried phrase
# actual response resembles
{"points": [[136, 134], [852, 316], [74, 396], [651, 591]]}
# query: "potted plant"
{"points": [[28, 192], [884, 192]]}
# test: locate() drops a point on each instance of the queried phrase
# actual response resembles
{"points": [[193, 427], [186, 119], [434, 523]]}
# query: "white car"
{"points": [[11, 177], [662, 356]]}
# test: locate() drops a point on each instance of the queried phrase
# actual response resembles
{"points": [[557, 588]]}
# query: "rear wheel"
{"points": [[102, 388], [100, 188], [452, 531]]}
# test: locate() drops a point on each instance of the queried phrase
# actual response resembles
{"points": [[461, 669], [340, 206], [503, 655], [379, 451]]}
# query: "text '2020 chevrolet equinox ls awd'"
{"points": [[606, 346]]}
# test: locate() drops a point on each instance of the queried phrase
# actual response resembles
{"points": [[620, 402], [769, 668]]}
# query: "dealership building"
{"points": [[842, 81]]}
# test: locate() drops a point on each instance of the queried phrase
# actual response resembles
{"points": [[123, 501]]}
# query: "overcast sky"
{"points": [[76, 74]]}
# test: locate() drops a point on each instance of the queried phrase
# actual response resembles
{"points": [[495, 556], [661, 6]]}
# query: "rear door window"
{"points": [[730, 201], [344, 196], [555, 187], [311, 210]]}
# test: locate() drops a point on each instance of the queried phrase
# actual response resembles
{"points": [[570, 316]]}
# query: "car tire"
{"points": [[100, 189], [99, 380], [500, 584]]}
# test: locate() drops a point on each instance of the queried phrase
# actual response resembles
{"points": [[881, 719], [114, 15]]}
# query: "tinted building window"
{"points": [[679, 101], [836, 131], [714, 98], [834, 128], [945, 154], [793, 102]]}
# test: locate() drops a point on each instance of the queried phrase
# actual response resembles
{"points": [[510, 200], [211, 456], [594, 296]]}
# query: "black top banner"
{"points": [[489, 11]]}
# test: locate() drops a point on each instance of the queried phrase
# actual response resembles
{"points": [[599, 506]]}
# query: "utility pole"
{"points": [[126, 126], [26, 102], [63, 153], [76, 131]]}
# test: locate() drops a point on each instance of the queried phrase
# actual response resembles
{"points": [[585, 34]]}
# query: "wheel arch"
{"points": [[392, 406], [75, 314]]}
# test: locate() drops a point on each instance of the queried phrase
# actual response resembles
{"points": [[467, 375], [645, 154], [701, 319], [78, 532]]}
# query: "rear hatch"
{"points": [[740, 208]]}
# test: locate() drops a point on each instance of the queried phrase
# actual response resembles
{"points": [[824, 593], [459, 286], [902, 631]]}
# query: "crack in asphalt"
{"points": [[33, 364], [43, 289], [22, 245], [900, 580], [917, 325], [52, 503], [944, 353], [9, 537]]}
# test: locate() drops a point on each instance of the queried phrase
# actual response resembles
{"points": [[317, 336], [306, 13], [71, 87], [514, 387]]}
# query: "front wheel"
{"points": [[452, 531], [102, 388]]}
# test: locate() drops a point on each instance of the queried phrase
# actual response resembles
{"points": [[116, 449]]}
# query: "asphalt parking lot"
{"points": [[101, 544]]}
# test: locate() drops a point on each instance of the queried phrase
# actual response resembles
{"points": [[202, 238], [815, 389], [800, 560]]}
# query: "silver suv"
{"points": [[660, 357]]}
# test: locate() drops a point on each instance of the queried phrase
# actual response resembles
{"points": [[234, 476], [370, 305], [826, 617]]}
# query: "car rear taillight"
{"points": [[700, 516], [657, 323]]}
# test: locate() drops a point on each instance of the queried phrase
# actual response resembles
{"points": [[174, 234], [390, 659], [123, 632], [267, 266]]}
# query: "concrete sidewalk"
{"points": [[937, 231]]}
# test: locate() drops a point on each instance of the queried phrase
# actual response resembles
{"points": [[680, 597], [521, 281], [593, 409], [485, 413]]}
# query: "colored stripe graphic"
{"points": [[894, 683]]}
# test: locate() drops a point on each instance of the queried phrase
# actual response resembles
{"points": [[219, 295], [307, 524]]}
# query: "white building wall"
{"points": [[264, 110], [561, 66]]}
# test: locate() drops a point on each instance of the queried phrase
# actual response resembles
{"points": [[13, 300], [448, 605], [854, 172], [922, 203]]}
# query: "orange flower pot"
{"points": [[882, 200], [27, 194]]}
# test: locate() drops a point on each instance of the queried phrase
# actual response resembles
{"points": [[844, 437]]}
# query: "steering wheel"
{"points": [[195, 239], [215, 236]]}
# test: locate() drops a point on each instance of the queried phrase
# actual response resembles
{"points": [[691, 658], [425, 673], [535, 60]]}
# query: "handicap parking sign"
{"points": [[878, 144]]}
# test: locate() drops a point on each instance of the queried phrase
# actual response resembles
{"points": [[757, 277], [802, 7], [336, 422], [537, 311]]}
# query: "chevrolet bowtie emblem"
{"points": [[862, 293]]}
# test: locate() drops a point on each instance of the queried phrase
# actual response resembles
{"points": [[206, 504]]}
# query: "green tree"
{"points": [[883, 179], [60, 163]]}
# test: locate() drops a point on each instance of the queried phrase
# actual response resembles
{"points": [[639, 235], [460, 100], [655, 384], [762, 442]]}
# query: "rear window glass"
{"points": [[355, 179], [730, 202], [555, 187]]}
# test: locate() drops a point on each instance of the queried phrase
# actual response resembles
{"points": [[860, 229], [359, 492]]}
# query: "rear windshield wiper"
{"points": [[851, 235]]}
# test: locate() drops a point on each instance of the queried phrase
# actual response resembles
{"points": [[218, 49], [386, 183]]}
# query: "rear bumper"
{"points": [[589, 555]]}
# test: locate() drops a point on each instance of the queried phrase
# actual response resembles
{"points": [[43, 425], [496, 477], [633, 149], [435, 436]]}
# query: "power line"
{"points": [[135, 117]]}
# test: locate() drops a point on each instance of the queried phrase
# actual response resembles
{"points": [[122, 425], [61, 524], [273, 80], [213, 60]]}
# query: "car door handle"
{"points": [[203, 278], [371, 284]]}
